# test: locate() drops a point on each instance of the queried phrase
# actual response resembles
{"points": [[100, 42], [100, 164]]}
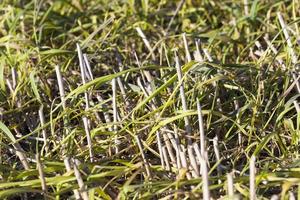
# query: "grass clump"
{"points": [[149, 99]]}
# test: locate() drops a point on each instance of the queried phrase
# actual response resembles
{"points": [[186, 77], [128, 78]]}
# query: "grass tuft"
{"points": [[148, 99]]}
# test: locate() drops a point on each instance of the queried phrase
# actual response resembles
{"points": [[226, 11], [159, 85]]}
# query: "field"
{"points": [[149, 99]]}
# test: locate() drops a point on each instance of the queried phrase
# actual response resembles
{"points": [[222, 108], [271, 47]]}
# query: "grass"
{"points": [[146, 99]]}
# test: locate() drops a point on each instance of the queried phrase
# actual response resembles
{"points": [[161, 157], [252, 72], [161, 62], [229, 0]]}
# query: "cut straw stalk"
{"points": [[181, 3], [123, 91], [209, 58], [88, 137], [280, 61], [89, 76], [165, 152], [21, 155], [274, 50], [41, 174], [88, 71], [169, 148], [246, 7], [195, 168], [145, 40], [14, 77], [85, 120], [62, 96], [19, 151], [201, 128], [107, 117], [158, 135], [237, 108], [217, 154], [10, 87], [115, 113], [252, 178], [145, 73], [291, 196], [230, 188], [159, 145], [81, 65], [188, 128], [178, 160], [198, 154], [146, 164], [290, 45], [274, 197], [166, 158], [17, 148], [207, 55], [183, 160], [186, 47], [176, 145], [171, 138], [82, 186], [182, 96], [69, 169], [186, 119], [287, 38], [83, 194], [44, 133], [260, 52], [60, 87], [82, 72], [297, 107], [120, 82], [197, 54], [193, 162], [204, 175]]}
